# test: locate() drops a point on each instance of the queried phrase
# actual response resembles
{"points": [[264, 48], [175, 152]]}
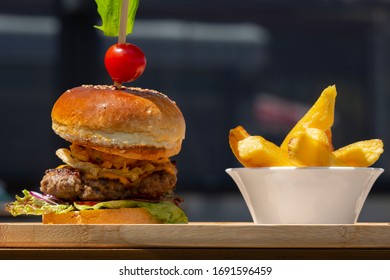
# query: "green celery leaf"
{"points": [[110, 10]]}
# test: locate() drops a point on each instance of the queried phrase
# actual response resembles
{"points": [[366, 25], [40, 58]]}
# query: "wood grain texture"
{"points": [[194, 235]]}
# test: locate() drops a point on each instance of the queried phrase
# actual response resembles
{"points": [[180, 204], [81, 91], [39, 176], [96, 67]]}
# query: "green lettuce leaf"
{"points": [[164, 211], [109, 11], [30, 205]]}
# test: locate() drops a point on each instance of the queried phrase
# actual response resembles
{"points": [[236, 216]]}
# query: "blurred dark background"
{"points": [[255, 63]]}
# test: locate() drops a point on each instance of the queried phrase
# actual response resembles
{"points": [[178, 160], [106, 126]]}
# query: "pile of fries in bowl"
{"points": [[305, 180]]}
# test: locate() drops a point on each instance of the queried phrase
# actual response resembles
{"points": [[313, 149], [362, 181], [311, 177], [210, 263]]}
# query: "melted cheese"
{"points": [[125, 175]]}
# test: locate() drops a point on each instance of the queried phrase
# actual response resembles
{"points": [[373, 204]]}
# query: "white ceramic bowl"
{"points": [[292, 195]]}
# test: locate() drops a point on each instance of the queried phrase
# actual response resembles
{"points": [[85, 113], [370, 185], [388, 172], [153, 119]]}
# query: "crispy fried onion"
{"points": [[102, 165]]}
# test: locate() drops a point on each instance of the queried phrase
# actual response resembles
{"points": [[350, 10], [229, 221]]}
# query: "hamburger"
{"points": [[118, 167]]}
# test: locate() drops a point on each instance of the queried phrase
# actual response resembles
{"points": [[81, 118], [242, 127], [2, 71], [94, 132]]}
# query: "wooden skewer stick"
{"points": [[123, 22], [122, 29]]}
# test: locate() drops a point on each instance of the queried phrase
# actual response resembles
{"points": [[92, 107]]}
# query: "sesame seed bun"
{"points": [[130, 122]]}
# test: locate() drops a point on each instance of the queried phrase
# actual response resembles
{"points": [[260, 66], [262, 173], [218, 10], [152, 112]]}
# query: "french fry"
{"points": [[360, 154], [320, 116], [239, 133], [259, 152], [329, 135], [311, 147], [235, 135], [255, 151]]}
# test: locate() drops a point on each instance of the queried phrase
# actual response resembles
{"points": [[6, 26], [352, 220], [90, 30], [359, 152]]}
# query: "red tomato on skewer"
{"points": [[124, 62]]}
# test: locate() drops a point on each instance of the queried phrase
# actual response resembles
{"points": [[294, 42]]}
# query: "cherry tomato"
{"points": [[124, 62]]}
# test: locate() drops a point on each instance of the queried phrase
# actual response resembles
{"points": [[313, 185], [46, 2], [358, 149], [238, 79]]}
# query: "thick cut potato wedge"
{"points": [[320, 116], [311, 147], [259, 152], [329, 134], [255, 151], [239, 133], [360, 154], [235, 135]]}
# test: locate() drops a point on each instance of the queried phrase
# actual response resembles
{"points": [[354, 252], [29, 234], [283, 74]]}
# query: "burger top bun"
{"points": [[130, 122]]}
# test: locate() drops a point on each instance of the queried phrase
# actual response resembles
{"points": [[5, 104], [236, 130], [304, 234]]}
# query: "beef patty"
{"points": [[70, 184]]}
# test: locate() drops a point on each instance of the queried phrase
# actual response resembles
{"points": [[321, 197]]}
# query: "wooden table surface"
{"points": [[195, 241]]}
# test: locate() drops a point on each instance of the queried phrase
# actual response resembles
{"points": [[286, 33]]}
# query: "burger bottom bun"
{"points": [[102, 216]]}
